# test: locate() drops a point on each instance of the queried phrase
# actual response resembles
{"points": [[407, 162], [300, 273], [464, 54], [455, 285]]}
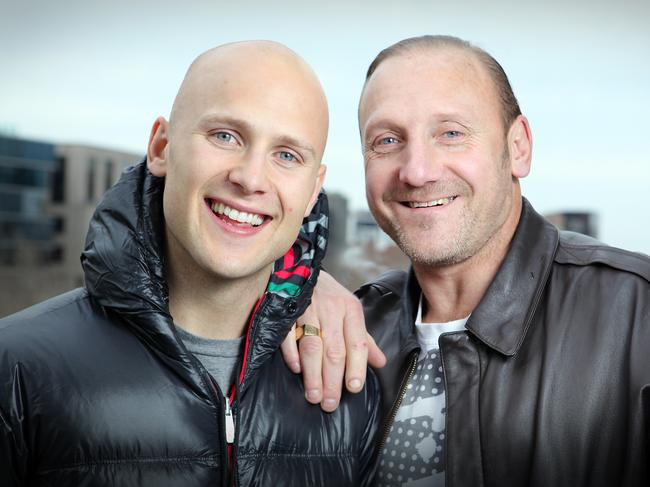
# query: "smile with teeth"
{"points": [[427, 204], [236, 215]]}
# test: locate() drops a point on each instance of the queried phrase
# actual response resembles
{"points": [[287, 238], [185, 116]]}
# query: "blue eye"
{"points": [[388, 141], [225, 137], [287, 156], [450, 134]]}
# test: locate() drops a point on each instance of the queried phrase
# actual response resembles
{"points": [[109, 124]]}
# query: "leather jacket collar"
{"points": [[499, 320]]}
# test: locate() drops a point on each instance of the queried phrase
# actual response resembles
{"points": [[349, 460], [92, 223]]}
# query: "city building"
{"points": [[48, 193], [358, 250], [575, 221]]}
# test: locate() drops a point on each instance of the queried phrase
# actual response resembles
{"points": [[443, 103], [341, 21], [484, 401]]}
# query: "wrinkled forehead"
{"points": [[448, 78]]}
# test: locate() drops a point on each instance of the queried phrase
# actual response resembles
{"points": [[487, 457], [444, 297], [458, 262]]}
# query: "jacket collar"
{"points": [[503, 316], [124, 270], [505, 313]]}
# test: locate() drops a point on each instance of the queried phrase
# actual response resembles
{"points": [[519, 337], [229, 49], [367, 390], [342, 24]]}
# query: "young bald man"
{"points": [[164, 369]]}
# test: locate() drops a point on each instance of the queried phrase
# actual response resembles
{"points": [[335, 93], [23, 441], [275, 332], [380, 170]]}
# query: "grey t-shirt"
{"points": [[219, 357]]}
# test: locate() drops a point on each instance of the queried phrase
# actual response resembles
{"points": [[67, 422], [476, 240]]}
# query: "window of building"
{"points": [[11, 201], [109, 175], [8, 229], [8, 175], [92, 169], [8, 257], [58, 223], [51, 255], [38, 230], [58, 181], [21, 176]]}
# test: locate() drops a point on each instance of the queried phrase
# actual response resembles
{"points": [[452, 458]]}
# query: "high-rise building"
{"points": [[26, 230], [48, 193]]}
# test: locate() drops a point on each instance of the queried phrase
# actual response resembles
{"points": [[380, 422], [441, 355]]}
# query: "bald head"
{"points": [[228, 71]]}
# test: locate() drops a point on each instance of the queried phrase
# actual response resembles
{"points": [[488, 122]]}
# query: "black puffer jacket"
{"points": [[96, 389], [550, 384]]}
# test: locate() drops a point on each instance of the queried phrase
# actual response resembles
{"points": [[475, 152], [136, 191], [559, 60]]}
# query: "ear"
{"points": [[318, 184], [520, 146], [157, 148]]}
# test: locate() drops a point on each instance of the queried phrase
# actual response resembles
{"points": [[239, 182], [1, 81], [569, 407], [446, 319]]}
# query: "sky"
{"points": [[100, 72]]}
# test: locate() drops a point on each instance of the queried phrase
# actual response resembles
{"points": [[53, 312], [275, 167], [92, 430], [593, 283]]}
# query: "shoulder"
{"points": [[580, 250], [45, 312], [390, 284], [48, 327], [388, 306], [383, 295]]}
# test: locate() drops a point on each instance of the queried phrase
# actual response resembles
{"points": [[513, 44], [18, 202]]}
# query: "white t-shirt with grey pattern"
{"points": [[414, 452]]}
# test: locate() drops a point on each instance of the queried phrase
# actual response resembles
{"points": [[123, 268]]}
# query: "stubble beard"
{"points": [[425, 247]]}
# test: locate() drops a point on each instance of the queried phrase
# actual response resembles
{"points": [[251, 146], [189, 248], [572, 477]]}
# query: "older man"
{"points": [[517, 354], [164, 370]]}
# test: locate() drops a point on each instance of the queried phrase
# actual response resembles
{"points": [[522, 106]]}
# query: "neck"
{"points": [[452, 292], [209, 306]]}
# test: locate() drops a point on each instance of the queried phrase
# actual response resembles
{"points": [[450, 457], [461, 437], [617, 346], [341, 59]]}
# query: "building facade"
{"points": [[48, 193]]}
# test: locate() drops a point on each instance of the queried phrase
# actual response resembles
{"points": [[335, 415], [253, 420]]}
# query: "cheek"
{"points": [[376, 184], [294, 193], [474, 169]]}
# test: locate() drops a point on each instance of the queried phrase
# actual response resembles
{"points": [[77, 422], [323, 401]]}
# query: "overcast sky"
{"points": [[99, 73]]}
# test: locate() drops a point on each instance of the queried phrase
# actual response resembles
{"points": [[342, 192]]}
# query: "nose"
{"points": [[422, 164], [249, 173]]}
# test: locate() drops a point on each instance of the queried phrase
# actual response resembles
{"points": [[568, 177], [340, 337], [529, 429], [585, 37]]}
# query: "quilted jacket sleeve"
{"points": [[13, 450]]}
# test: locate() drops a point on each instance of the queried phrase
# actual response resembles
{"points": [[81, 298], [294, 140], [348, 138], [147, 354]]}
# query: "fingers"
{"points": [[311, 360], [356, 344], [334, 355], [290, 351], [376, 357], [343, 353]]}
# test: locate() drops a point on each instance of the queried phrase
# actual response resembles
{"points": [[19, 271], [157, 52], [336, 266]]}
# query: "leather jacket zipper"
{"points": [[393, 412]]}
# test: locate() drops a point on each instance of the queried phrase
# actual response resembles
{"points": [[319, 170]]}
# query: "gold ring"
{"points": [[306, 330]]}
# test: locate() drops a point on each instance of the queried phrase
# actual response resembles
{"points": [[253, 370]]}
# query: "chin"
{"points": [[442, 255], [437, 260]]}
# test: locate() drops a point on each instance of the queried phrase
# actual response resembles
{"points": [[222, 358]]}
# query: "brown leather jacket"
{"points": [[550, 383]]}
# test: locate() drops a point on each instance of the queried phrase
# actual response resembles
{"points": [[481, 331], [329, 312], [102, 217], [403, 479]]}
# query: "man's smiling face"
{"points": [[438, 173], [241, 156]]}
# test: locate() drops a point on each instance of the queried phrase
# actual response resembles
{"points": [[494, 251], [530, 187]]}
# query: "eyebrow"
{"points": [[293, 142], [246, 126], [383, 123]]}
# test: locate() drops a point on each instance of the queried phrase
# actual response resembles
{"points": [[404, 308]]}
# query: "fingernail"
{"points": [[329, 403], [354, 384], [313, 394], [296, 367]]}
